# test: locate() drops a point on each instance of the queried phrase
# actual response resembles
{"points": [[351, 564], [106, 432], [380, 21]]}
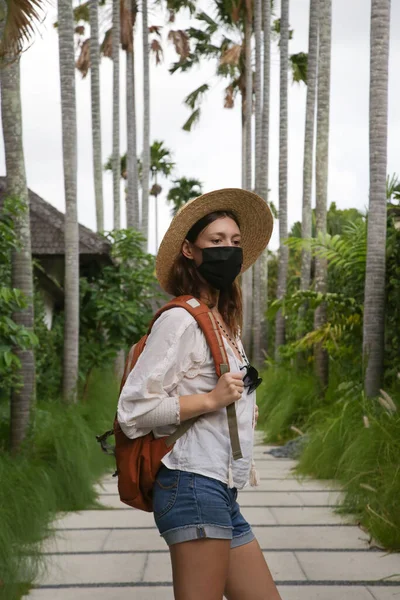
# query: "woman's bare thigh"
{"points": [[200, 569], [249, 577]]}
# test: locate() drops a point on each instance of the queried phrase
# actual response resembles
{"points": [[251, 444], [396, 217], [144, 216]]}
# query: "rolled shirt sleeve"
{"points": [[147, 399]]}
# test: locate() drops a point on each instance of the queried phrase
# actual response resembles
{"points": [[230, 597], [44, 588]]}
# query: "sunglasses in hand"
{"points": [[251, 380]]}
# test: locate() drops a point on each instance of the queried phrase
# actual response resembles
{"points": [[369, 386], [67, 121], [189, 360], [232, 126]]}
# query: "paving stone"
{"points": [[385, 593], [324, 592], [92, 568], [321, 498], [74, 541], [259, 516], [245, 498], [283, 566], [106, 593], [311, 537], [273, 498], [289, 592], [302, 515], [141, 539], [290, 484], [276, 471], [291, 516], [350, 566], [105, 518]]}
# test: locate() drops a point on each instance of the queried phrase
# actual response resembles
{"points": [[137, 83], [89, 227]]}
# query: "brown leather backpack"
{"points": [[138, 460]]}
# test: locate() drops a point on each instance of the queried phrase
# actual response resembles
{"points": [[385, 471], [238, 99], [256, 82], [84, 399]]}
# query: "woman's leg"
{"points": [[249, 577], [200, 569]]}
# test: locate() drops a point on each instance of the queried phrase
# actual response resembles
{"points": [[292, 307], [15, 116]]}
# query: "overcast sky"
{"points": [[211, 152]]}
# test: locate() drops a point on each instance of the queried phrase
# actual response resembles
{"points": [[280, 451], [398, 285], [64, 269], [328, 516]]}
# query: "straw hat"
{"points": [[253, 215]]}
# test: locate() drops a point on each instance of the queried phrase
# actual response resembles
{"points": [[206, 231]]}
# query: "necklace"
{"points": [[233, 342]]}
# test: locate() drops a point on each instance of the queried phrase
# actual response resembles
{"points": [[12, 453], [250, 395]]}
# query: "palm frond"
{"points": [[156, 49], [231, 56], [229, 101], [192, 120], [299, 64], [194, 97], [22, 18], [180, 39], [106, 45], [83, 61], [212, 25]]}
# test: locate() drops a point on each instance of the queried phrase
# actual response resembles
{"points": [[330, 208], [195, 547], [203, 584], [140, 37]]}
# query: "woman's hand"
{"points": [[229, 389]]}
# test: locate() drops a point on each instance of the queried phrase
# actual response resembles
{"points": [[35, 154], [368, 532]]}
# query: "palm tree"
{"points": [[146, 124], [22, 398], [16, 27], [322, 153], [283, 170], [96, 112], [184, 190], [127, 34], [264, 178], [247, 278], [69, 136], [374, 301], [161, 164], [311, 80], [258, 309], [116, 103]]}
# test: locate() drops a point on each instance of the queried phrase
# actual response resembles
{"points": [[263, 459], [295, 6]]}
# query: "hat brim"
{"points": [[252, 212]]}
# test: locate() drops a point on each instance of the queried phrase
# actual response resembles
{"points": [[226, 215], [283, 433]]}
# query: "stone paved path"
{"points": [[313, 554]]}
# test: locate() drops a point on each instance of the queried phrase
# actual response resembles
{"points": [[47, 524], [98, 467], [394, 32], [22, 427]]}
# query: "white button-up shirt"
{"points": [[177, 361]]}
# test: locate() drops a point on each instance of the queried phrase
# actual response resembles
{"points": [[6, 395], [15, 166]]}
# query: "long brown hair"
{"points": [[186, 279]]}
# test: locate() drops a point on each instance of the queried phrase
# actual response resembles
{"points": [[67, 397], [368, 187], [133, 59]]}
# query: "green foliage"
{"points": [[357, 442], [48, 352], [285, 398], [350, 439], [116, 306], [299, 63], [12, 336], [392, 313], [56, 472], [194, 97], [184, 190]]}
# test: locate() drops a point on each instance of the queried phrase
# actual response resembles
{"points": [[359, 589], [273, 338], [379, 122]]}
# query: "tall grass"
{"points": [[55, 472], [285, 398], [351, 439], [357, 443]]}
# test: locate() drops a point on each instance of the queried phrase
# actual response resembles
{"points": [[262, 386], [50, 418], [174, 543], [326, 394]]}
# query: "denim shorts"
{"points": [[188, 506]]}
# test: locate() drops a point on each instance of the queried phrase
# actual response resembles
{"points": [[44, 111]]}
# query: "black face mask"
{"points": [[221, 265]]}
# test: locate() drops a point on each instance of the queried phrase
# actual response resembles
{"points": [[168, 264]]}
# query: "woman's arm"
{"points": [[147, 399]]}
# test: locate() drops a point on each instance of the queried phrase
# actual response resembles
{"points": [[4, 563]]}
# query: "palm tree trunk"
{"points": [[258, 309], [265, 168], [132, 198], [247, 280], [306, 223], [374, 303], [22, 398], [96, 112], [69, 137], [146, 124], [156, 212], [283, 173], [322, 152], [116, 160], [243, 142]]}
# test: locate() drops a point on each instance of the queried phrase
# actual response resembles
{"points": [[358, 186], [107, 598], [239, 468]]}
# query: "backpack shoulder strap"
{"points": [[209, 326]]}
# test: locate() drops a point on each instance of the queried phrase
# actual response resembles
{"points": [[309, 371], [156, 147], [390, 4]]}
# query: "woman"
{"points": [[213, 549]]}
